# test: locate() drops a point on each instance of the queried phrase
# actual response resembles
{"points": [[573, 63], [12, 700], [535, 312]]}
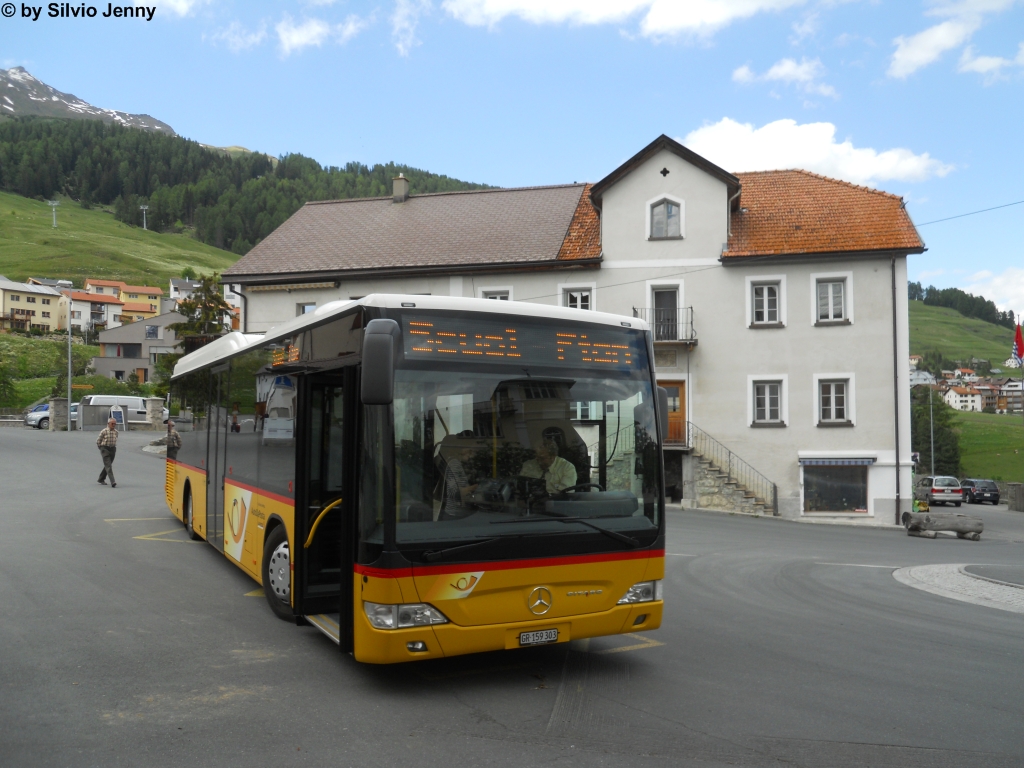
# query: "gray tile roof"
{"points": [[453, 230]]}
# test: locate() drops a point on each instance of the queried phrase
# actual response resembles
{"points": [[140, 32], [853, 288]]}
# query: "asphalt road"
{"points": [[784, 644]]}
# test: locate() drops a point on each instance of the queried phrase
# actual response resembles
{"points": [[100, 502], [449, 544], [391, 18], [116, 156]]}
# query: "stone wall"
{"points": [[58, 414], [711, 488]]}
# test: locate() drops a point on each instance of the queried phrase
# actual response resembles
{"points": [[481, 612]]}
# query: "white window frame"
{"points": [[649, 211], [832, 277], [851, 397], [665, 285], [564, 288], [481, 293], [783, 379], [749, 282]]}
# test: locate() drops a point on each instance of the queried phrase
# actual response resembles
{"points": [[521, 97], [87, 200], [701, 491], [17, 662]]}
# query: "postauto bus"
{"points": [[421, 477]]}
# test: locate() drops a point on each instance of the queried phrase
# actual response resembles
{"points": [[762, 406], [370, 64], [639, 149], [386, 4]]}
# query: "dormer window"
{"points": [[666, 219]]}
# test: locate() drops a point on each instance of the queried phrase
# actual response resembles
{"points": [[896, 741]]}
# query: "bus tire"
{"points": [[277, 574], [187, 513]]}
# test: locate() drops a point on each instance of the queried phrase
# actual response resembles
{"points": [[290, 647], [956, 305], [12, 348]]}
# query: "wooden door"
{"points": [[676, 411]]}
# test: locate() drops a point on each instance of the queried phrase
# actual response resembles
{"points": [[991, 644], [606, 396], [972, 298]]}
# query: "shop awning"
{"points": [[836, 462]]}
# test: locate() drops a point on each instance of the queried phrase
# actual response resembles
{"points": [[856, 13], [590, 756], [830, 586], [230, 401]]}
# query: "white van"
{"points": [[134, 407]]}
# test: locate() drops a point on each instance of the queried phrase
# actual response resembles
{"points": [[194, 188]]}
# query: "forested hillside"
{"points": [[231, 202]]}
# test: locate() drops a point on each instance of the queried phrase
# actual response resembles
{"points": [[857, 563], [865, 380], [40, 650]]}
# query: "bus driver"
{"points": [[558, 473]]}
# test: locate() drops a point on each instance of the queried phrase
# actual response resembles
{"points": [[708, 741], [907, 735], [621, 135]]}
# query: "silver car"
{"points": [[38, 417]]}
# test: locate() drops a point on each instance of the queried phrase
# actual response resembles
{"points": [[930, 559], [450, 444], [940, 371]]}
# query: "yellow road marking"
{"points": [[648, 642], [130, 519], [254, 593], [156, 537]]}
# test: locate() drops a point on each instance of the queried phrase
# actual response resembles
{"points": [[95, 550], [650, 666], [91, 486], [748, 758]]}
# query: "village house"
{"points": [[28, 306], [90, 311], [915, 361], [777, 328], [963, 398], [136, 348]]}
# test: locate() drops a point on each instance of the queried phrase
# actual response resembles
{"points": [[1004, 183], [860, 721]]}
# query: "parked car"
{"points": [[134, 407], [939, 489], [980, 491], [38, 417]]}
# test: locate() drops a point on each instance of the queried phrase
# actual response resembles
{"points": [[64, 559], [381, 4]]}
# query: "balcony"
{"points": [[673, 326]]}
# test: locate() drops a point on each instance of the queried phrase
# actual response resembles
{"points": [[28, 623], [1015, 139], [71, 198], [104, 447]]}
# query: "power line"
{"points": [[960, 216]]}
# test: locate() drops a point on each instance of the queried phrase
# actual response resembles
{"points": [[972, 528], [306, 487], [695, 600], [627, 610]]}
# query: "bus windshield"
{"points": [[568, 451]]}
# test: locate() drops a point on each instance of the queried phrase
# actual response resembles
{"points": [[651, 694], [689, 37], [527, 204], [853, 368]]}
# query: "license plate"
{"points": [[539, 637]]}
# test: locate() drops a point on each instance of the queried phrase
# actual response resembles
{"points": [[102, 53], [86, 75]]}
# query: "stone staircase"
{"points": [[714, 490]]}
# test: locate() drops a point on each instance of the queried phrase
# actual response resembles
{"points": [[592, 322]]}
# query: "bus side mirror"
{"points": [[378, 378], [663, 412]]}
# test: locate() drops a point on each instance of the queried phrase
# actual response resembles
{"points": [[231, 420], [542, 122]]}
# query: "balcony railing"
{"points": [[674, 324]]}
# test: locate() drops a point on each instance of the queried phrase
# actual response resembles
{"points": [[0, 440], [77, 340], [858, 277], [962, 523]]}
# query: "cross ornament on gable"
{"points": [[663, 171]]}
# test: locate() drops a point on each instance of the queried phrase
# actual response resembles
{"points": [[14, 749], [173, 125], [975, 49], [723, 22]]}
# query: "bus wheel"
{"points": [[189, 520], [277, 574]]}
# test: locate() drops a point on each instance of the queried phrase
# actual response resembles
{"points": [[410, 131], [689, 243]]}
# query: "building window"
{"points": [[152, 332], [46, 314], [498, 295], [30, 299], [15, 297], [831, 300], [833, 404], [836, 488], [765, 304], [99, 289], [133, 295], [578, 299], [767, 402], [304, 309], [666, 219], [119, 375], [46, 301], [117, 318], [76, 315]]}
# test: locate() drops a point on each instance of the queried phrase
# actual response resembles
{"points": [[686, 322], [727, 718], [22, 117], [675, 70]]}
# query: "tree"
{"points": [[915, 292], [8, 393], [188, 273], [204, 310], [134, 385], [947, 433]]}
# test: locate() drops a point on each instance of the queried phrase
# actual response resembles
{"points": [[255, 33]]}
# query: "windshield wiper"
{"points": [[620, 537], [436, 554]]}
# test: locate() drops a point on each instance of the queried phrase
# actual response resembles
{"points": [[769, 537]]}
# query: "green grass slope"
{"points": [[90, 243], [955, 336], [992, 446], [29, 358]]}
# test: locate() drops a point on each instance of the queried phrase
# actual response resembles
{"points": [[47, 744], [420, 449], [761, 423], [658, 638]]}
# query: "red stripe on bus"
{"points": [[260, 491], [505, 565], [187, 466]]}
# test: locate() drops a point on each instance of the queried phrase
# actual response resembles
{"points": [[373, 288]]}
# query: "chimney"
{"points": [[401, 188]]}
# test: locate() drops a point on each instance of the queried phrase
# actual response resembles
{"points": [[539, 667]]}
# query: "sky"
{"points": [[923, 99]]}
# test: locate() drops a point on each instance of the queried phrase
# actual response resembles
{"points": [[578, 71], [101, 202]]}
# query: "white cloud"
{"points": [[175, 7], [991, 67], [922, 49], [662, 18], [805, 28], [1005, 289], [964, 18], [805, 74], [404, 21], [237, 38], [813, 147], [928, 274], [294, 37]]}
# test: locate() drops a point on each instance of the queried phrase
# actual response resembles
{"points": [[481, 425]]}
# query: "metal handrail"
{"points": [[669, 324], [736, 469]]}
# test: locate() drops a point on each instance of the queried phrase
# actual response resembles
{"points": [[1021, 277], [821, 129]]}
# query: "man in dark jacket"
{"points": [[107, 443]]}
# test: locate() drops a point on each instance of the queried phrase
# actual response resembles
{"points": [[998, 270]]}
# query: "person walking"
{"points": [[173, 440], [107, 443]]}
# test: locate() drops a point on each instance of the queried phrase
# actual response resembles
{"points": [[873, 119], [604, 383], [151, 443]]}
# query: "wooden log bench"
{"points": [[926, 524]]}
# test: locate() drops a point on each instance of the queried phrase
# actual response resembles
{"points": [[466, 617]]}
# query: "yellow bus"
{"points": [[421, 477]]}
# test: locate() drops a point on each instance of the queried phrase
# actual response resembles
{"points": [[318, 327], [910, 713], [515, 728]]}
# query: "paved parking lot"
{"points": [[784, 644]]}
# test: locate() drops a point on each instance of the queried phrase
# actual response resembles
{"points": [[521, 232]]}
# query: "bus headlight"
{"points": [[401, 616], [642, 592]]}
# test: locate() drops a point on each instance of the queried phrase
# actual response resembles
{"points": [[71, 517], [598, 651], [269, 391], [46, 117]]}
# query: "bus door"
{"points": [[215, 452], [324, 568]]}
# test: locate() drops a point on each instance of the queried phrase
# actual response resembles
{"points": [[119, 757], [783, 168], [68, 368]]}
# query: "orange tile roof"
{"points": [[136, 306], [113, 283], [799, 212], [583, 238], [141, 289], [100, 298]]}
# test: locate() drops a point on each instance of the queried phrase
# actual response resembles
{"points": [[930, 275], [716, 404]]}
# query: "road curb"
{"points": [[674, 508]]}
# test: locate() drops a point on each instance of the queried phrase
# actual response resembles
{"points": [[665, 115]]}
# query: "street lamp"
{"points": [[53, 204], [143, 208]]}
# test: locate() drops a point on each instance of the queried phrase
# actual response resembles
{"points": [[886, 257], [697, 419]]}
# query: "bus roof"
{"points": [[234, 342]]}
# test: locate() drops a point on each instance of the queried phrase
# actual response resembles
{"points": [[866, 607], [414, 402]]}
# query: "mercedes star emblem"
{"points": [[539, 601]]}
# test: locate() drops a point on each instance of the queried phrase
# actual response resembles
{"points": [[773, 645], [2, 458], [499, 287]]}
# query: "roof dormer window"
{"points": [[665, 219]]}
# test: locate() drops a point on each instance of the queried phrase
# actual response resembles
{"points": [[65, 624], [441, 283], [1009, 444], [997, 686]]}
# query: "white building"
{"points": [[769, 297], [963, 398], [90, 311]]}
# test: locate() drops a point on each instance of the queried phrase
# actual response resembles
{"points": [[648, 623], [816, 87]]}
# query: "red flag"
{"points": [[1018, 346]]}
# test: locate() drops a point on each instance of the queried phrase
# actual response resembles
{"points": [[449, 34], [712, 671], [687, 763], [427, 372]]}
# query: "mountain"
{"points": [[22, 95], [956, 337]]}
